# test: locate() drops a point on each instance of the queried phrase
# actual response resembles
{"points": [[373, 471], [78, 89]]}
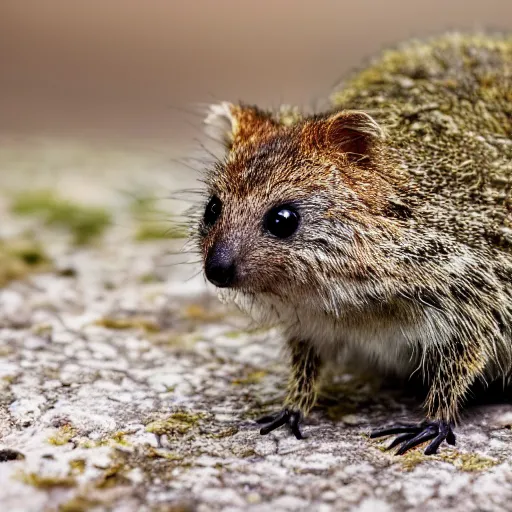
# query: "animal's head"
{"points": [[294, 207]]}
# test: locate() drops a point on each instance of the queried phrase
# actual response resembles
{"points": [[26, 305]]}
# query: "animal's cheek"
{"points": [[264, 270]]}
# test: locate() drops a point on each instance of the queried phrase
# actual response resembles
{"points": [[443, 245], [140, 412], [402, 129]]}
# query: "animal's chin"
{"points": [[263, 308]]}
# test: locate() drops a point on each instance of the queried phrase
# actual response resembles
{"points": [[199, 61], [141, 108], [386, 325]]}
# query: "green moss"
{"points": [[159, 231], [113, 477], [46, 482], [245, 453], [252, 377], [78, 504], [412, 458], [20, 258], [144, 209], [470, 462], [87, 443], [157, 453], [128, 323], [42, 330], [175, 425], [149, 278], [198, 313], [85, 223], [143, 205], [119, 438], [467, 461], [116, 439], [63, 436], [77, 466], [234, 334], [228, 432], [288, 115]]}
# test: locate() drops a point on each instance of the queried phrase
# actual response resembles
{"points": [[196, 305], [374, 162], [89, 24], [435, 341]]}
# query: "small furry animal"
{"points": [[380, 229]]}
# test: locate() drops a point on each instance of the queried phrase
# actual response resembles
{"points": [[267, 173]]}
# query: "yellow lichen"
{"points": [[77, 466], [252, 377], [463, 461], [175, 425], [78, 504], [233, 334], [198, 313], [46, 482], [42, 330], [412, 458], [63, 435], [119, 438], [162, 454], [112, 477], [467, 461], [128, 323]]}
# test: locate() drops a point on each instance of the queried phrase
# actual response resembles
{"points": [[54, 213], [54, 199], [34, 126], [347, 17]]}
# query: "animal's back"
{"points": [[446, 104]]}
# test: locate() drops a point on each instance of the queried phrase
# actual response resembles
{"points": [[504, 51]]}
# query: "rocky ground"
{"points": [[126, 386]]}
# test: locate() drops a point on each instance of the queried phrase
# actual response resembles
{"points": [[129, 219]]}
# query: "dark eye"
{"points": [[212, 211], [282, 221]]}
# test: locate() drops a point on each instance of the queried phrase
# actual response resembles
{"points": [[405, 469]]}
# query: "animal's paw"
{"points": [[283, 417], [413, 435]]}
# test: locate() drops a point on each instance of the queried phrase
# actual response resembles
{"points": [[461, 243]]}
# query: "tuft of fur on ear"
{"points": [[353, 132], [220, 123], [237, 124]]}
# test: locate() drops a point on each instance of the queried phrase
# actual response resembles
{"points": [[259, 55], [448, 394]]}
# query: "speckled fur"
{"points": [[404, 252]]}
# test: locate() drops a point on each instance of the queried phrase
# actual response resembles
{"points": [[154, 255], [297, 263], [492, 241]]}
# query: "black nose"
{"points": [[220, 266]]}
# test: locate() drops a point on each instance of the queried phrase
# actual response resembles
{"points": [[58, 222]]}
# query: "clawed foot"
{"points": [[413, 435], [284, 417]]}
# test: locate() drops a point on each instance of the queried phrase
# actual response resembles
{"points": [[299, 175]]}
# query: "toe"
{"points": [[432, 448], [395, 429], [399, 440], [267, 419], [294, 421], [428, 434], [277, 422]]}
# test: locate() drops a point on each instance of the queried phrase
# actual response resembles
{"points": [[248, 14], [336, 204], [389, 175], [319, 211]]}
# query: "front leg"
{"points": [[453, 369], [302, 389]]}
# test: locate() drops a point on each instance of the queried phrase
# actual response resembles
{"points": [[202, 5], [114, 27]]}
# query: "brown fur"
{"points": [[404, 251]]}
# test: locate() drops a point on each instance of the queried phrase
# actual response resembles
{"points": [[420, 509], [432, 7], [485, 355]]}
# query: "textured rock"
{"points": [[126, 386]]}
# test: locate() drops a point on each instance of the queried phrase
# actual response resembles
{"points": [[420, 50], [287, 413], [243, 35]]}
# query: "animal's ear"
{"points": [[353, 132], [237, 124]]}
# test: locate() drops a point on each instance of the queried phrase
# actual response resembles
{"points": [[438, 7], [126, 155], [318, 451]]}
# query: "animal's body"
{"points": [[381, 228]]}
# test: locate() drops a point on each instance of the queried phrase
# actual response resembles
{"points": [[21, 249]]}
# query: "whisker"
{"points": [[176, 263], [193, 276]]}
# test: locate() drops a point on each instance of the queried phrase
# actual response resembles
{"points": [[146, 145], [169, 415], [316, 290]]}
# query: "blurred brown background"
{"points": [[118, 68]]}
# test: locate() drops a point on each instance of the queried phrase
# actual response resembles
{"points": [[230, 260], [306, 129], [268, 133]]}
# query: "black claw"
{"points": [[426, 435], [284, 417], [434, 445], [396, 429], [268, 419], [414, 435], [294, 425], [451, 437], [400, 439]]}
